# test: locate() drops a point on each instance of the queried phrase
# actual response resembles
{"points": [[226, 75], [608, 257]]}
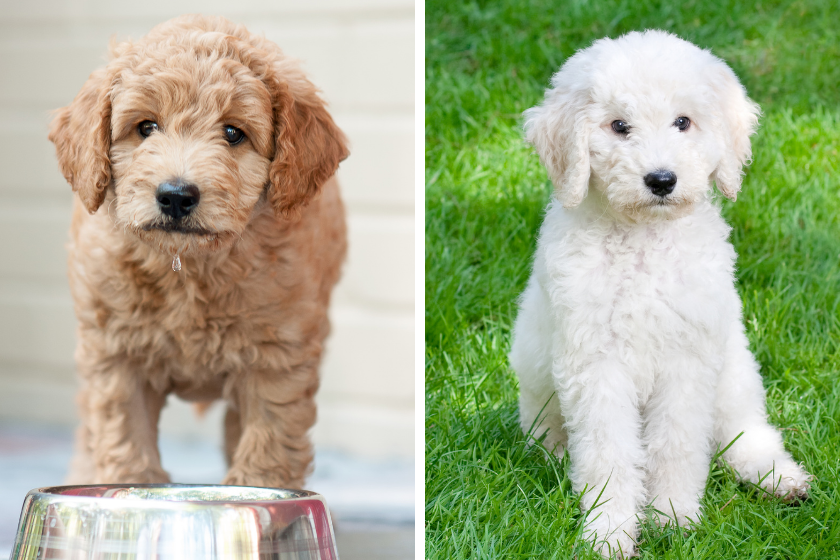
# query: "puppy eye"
{"points": [[682, 123], [620, 127], [145, 128], [233, 135]]}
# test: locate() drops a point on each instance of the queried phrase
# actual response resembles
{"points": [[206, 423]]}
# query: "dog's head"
{"points": [[190, 128], [647, 119]]}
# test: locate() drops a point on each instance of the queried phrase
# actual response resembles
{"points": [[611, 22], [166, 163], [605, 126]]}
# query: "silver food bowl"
{"points": [[173, 521]]}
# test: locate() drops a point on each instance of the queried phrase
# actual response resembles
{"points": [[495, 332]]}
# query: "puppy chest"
{"points": [[198, 335], [644, 297]]}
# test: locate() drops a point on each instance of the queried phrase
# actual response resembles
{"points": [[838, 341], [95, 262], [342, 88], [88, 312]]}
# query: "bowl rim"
{"points": [[302, 502], [56, 493]]}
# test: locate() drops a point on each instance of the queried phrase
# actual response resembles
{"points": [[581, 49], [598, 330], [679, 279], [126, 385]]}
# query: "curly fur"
{"points": [[246, 317], [629, 344]]}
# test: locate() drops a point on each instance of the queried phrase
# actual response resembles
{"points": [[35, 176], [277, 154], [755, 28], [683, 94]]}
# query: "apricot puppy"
{"points": [[200, 144]]}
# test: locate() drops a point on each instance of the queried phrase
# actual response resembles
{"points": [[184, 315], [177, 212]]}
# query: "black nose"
{"points": [[661, 182], [177, 200]]}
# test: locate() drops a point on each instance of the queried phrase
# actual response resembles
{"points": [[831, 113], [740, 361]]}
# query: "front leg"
{"points": [[603, 422], [275, 412], [758, 455], [679, 421], [117, 442]]}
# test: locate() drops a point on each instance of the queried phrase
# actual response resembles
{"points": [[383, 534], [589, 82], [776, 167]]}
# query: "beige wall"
{"points": [[361, 53]]}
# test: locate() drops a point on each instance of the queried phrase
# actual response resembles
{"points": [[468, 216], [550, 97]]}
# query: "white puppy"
{"points": [[629, 344]]}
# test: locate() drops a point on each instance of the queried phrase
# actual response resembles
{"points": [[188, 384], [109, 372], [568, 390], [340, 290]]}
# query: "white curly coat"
{"points": [[629, 344]]}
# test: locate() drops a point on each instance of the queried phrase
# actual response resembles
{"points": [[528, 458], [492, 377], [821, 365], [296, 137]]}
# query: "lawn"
{"points": [[488, 494]]}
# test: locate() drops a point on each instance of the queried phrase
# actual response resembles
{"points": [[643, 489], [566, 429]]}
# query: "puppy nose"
{"points": [[661, 182], [177, 200]]}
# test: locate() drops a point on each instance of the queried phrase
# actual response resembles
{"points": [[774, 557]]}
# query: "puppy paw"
{"points": [[791, 483], [613, 539], [121, 476], [669, 511], [238, 477], [156, 477], [616, 546]]}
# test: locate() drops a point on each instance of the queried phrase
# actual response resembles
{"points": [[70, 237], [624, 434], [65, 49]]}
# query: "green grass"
{"points": [[488, 494]]}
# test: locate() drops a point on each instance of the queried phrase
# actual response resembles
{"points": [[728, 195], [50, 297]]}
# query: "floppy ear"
{"points": [[559, 130], [308, 148], [738, 121], [81, 133]]}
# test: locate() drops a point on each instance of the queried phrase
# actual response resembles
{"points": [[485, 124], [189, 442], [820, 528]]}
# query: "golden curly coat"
{"points": [[246, 317]]}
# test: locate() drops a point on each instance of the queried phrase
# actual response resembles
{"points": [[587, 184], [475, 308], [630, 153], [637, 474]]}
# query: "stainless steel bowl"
{"points": [[173, 521]]}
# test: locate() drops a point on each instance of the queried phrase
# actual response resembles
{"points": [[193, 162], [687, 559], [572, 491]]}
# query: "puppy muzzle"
{"points": [[177, 199], [661, 182]]}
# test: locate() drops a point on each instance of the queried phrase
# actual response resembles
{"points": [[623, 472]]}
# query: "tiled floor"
{"points": [[372, 503]]}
